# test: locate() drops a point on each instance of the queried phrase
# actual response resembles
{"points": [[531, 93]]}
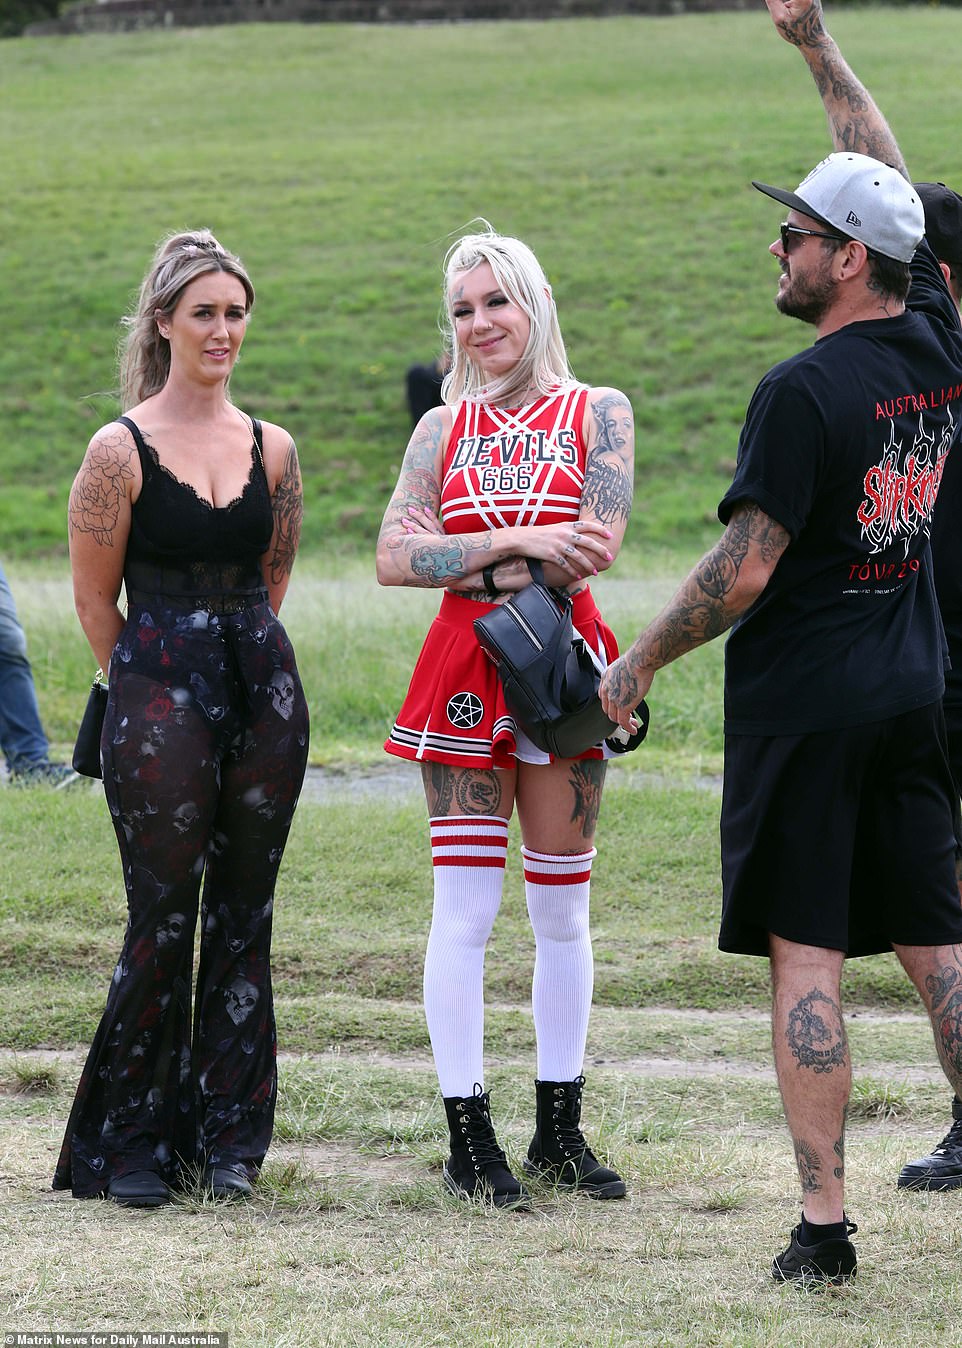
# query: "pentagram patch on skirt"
{"points": [[465, 710]]}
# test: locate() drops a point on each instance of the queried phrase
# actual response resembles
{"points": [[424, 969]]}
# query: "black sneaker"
{"points": [[827, 1261], [941, 1169]]}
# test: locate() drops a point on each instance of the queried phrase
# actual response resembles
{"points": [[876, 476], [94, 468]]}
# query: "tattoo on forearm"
{"points": [[440, 558], [701, 610], [809, 1165], [855, 122], [438, 564], [100, 488], [288, 507], [587, 779], [815, 1033]]}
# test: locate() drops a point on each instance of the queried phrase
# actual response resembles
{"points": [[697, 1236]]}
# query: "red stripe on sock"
{"points": [[470, 861], [468, 840], [554, 878]]}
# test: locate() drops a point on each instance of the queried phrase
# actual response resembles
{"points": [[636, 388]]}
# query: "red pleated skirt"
{"points": [[454, 711]]}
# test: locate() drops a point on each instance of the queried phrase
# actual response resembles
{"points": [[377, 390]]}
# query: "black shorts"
{"points": [[953, 736], [843, 839]]}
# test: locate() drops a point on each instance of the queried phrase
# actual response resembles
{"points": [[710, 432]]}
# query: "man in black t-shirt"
{"points": [[837, 813]]}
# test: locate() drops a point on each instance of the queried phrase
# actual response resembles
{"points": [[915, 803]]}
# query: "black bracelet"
{"points": [[487, 575]]}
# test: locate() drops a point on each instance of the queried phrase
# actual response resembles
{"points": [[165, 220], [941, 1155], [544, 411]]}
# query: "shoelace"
{"points": [[572, 1139], [952, 1140], [484, 1143]]}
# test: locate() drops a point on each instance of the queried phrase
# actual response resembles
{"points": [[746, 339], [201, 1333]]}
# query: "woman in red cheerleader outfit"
{"points": [[521, 461]]}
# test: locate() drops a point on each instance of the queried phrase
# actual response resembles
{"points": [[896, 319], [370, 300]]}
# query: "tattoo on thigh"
{"points": [[941, 984], [477, 790], [806, 1158], [815, 1032], [587, 779], [438, 787]]}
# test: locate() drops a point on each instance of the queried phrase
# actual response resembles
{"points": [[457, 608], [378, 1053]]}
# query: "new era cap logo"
{"points": [[852, 219]]}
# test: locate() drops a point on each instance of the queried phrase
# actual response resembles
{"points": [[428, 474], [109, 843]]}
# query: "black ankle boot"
{"points": [[558, 1150], [477, 1167]]}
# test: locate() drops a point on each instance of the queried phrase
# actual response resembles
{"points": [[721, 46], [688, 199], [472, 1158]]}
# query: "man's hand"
{"points": [[622, 689], [798, 21]]}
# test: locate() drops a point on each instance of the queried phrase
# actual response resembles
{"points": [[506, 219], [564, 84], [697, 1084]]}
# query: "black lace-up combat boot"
{"points": [[477, 1167], [559, 1152]]}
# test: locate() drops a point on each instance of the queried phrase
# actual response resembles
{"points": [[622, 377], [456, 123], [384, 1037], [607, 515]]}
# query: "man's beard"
{"points": [[807, 298]]}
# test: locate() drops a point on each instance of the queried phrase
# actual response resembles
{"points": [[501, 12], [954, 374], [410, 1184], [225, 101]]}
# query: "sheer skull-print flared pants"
{"points": [[204, 750]]}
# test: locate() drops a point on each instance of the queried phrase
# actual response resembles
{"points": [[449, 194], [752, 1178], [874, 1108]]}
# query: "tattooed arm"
{"points": [[413, 549], [98, 525], [610, 466], [724, 584], [853, 116], [287, 504]]}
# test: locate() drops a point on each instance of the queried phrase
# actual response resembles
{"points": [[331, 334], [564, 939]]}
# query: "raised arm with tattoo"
{"points": [[854, 118], [724, 584]]}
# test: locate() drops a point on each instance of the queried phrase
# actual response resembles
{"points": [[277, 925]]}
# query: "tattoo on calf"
{"points": [[839, 1150], [809, 1165], [815, 1033], [949, 1030], [941, 984]]}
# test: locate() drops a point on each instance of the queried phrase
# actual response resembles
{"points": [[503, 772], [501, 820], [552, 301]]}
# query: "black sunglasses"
{"points": [[786, 231]]}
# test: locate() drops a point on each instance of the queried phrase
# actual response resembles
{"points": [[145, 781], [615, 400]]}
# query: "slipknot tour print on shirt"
{"points": [[847, 630]]}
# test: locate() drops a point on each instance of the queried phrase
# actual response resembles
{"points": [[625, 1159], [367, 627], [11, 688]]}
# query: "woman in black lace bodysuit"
{"points": [[195, 507]]}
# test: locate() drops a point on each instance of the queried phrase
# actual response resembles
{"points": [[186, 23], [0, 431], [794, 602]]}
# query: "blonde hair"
{"points": [[179, 259], [519, 274]]}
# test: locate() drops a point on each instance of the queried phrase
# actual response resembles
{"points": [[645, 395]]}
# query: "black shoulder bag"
{"points": [[549, 676]]}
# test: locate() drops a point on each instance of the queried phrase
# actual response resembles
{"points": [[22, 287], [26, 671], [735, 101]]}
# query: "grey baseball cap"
{"points": [[861, 198]]}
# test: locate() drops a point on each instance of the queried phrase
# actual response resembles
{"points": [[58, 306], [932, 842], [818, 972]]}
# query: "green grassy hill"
{"points": [[337, 161]]}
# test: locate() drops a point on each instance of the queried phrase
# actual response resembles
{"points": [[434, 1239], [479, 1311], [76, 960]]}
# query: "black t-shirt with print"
{"points": [[845, 445]]}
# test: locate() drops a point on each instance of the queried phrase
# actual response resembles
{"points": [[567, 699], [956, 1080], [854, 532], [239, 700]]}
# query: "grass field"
{"points": [[350, 1239], [337, 160]]}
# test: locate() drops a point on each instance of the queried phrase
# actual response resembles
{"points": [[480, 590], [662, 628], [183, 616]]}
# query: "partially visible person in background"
{"points": [[196, 507], [423, 385], [942, 1168], [521, 461], [22, 738]]}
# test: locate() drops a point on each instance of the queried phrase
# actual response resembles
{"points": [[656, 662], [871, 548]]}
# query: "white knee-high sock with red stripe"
{"points": [[556, 888], [469, 853]]}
